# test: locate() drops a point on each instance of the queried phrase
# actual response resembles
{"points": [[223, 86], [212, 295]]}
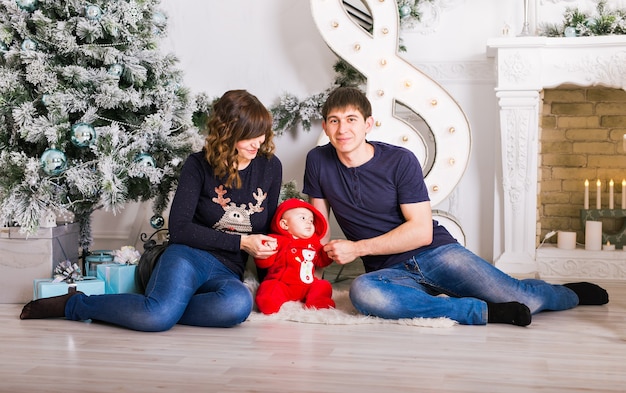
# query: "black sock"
{"points": [[50, 307], [588, 293], [513, 313]]}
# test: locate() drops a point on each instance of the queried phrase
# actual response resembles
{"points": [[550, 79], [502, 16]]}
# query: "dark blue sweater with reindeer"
{"points": [[207, 215]]}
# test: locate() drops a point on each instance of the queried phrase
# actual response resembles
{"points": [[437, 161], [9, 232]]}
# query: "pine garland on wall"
{"points": [[577, 23]]}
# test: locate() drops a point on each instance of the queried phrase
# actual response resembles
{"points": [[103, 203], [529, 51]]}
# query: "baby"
{"points": [[297, 227]]}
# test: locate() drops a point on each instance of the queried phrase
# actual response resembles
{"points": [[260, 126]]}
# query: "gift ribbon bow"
{"points": [[68, 272], [127, 255]]}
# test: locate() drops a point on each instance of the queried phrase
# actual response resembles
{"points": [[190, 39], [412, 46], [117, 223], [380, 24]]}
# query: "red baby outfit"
{"points": [[290, 270]]}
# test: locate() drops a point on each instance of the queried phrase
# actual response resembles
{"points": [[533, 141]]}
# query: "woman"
{"points": [[225, 199]]}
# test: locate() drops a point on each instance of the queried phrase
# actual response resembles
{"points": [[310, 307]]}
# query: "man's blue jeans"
{"points": [[188, 286], [410, 289]]}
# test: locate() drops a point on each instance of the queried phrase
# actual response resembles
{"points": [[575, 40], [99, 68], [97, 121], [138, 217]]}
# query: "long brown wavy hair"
{"points": [[236, 116]]}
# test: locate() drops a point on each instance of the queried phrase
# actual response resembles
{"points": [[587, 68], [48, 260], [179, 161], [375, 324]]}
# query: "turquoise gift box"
{"points": [[45, 287], [118, 278]]}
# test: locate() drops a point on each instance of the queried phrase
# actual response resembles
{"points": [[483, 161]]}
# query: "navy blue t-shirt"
{"points": [[366, 200]]}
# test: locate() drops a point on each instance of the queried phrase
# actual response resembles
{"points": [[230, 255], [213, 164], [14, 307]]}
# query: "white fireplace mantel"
{"points": [[525, 66]]}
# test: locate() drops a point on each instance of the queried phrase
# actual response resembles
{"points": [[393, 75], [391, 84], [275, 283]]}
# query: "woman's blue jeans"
{"points": [[410, 289], [188, 286]]}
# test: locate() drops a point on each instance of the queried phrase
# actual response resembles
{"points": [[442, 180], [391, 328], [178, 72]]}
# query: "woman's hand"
{"points": [[259, 246]]}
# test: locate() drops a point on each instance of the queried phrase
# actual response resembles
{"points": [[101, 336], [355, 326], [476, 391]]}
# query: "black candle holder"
{"points": [[619, 237]]}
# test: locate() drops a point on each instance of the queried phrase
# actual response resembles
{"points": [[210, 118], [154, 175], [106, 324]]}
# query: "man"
{"points": [[379, 198]]}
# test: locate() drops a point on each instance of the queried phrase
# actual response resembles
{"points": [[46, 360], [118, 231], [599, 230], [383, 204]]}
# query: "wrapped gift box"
{"points": [[118, 278], [96, 258], [45, 287], [26, 257]]}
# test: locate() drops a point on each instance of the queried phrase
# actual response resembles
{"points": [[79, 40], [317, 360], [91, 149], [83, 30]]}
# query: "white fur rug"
{"points": [[343, 314]]}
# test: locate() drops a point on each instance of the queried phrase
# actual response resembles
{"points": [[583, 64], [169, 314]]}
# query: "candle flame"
{"points": [[587, 182], [611, 183], [598, 183]]}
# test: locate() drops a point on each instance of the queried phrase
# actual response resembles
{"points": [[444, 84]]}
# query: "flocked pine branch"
{"points": [[92, 114], [604, 21]]}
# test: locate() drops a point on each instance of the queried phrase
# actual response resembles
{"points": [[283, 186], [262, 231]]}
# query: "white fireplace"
{"points": [[525, 66]]}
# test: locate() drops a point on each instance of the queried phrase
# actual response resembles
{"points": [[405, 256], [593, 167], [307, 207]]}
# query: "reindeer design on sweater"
{"points": [[236, 219]]}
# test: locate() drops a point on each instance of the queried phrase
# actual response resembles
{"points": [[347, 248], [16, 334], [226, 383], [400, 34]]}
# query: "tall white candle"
{"points": [[586, 206], [611, 199], [593, 235], [598, 193], [623, 193]]}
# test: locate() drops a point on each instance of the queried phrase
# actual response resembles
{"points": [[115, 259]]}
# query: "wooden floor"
{"points": [[580, 350]]}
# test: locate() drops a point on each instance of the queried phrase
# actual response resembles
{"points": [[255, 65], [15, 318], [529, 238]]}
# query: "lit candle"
{"points": [[587, 193], [598, 192], [611, 204], [608, 246], [624, 144], [623, 193]]}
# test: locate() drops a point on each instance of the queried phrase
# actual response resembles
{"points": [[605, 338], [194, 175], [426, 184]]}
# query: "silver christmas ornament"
{"points": [[93, 12], [29, 44], [116, 70]]}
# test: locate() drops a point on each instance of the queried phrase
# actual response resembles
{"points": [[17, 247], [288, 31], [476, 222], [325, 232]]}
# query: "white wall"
{"points": [[270, 47]]}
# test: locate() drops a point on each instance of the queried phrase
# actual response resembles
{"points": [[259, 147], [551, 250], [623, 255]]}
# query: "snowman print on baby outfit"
{"points": [[306, 265]]}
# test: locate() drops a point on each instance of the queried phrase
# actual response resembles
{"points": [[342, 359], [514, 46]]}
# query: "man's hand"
{"points": [[342, 251]]}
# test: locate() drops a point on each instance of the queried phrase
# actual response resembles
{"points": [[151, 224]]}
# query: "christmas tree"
{"points": [[92, 114]]}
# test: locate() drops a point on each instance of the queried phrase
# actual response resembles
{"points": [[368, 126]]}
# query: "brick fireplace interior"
{"points": [[581, 137]]}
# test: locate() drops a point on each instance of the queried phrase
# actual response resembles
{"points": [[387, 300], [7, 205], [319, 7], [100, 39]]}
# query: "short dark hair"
{"points": [[344, 97]]}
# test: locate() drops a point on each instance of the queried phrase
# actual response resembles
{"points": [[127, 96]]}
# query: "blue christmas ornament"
{"points": [[29, 44], [157, 221], [53, 161], [27, 5], [45, 99], [93, 12], [145, 159], [83, 134], [174, 85], [3, 47], [116, 70], [570, 31], [405, 11], [159, 19]]}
